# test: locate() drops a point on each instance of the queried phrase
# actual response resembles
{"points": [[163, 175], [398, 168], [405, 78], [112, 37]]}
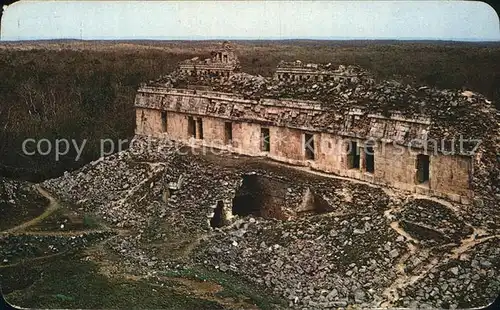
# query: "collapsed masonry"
{"points": [[434, 142], [299, 71]]}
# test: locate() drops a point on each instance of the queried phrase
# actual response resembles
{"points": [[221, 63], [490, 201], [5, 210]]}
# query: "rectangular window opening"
{"points": [[369, 159], [353, 156], [423, 164], [309, 146], [164, 121], [191, 127], [228, 132], [265, 140]]}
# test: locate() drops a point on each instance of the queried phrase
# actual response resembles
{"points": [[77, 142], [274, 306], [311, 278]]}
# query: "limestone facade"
{"points": [[354, 144]]}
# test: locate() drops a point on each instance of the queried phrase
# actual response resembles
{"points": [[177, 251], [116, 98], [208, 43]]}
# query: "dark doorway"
{"points": [[309, 146], [164, 121], [191, 127], [260, 196], [369, 159], [423, 164], [353, 156], [219, 218], [200, 128], [228, 133], [248, 199], [265, 140]]}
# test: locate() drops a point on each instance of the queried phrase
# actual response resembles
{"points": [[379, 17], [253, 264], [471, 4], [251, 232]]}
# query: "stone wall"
{"points": [[288, 121], [294, 74], [299, 71]]}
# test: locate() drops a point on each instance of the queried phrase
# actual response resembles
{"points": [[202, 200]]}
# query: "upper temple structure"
{"points": [[223, 63], [338, 120]]}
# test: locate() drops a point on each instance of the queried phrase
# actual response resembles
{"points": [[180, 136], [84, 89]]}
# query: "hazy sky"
{"points": [[443, 20]]}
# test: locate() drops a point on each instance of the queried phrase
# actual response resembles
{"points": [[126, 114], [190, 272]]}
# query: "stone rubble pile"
{"points": [[432, 223], [318, 262], [459, 283], [103, 186], [485, 182], [347, 255]]}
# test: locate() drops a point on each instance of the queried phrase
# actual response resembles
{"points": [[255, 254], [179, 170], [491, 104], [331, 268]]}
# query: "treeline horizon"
{"points": [[85, 90]]}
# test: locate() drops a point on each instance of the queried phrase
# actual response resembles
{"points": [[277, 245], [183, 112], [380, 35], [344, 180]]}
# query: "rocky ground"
{"points": [[94, 242], [352, 244]]}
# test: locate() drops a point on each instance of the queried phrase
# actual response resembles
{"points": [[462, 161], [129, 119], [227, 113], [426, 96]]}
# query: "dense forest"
{"points": [[85, 90]]}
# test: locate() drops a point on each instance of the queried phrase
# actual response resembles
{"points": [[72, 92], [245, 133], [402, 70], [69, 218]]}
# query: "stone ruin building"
{"points": [[313, 240], [222, 63], [331, 120]]}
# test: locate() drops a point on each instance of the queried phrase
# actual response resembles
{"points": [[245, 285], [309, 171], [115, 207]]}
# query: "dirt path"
{"points": [[35, 259], [208, 290], [52, 207], [67, 233], [428, 261]]}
